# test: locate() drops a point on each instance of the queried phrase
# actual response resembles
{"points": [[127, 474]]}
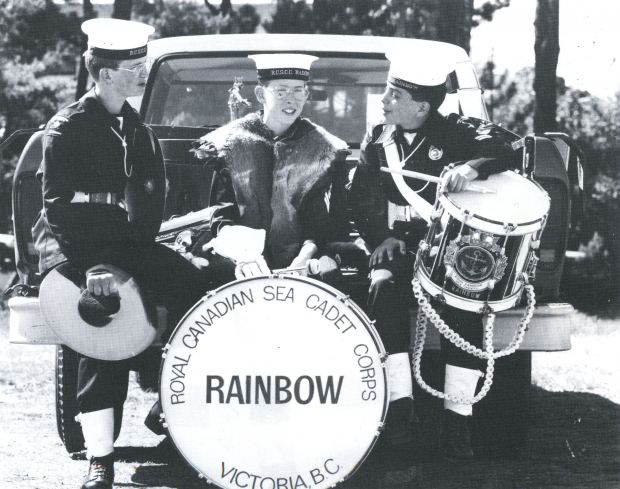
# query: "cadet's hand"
{"points": [[308, 250], [386, 250], [99, 280], [459, 178], [240, 244], [254, 268], [329, 272]]}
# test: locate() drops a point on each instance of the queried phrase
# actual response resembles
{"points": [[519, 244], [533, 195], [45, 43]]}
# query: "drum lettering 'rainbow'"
{"points": [[289, 366], [326, 389]]}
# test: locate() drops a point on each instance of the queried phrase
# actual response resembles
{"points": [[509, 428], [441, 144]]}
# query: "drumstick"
{"points": [[430, 178]]}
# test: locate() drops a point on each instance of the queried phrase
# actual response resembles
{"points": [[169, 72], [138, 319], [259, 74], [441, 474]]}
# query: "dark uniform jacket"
{"points": [[291, 185], [439, 142], [83, 152]]}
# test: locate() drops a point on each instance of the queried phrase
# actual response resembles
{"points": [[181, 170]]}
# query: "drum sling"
{"points": [[418, 204]]}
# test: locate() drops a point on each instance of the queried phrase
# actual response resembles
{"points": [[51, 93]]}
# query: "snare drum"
{"points": [[274, 382], [480, 247]]}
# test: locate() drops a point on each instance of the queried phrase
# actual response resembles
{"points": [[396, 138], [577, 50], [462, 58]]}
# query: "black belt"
{"points": [[96, 198]]}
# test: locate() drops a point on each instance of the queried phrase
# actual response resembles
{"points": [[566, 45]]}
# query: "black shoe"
{"points": [[100, 473], [394, 448], [153, 420], [396, 478], [398, 422], [457, 442]]}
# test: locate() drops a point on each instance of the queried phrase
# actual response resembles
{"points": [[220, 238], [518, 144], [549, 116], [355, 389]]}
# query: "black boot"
{"points": [[100, 473], [153, 420], [457, 442], [392, 459], [398, 422]]}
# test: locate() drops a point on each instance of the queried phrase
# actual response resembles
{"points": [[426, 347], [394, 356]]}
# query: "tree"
{"points": [[82, 75], [122, 9], [594, 124], [31, 28], [547, 49], [444, 20], [292, 17], [179, 18]]}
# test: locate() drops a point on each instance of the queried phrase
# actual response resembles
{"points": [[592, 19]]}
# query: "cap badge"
{"points": [[435, 153], [149, 186]]}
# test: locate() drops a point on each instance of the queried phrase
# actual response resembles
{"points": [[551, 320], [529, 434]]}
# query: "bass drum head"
{"points": [[274, 382]]}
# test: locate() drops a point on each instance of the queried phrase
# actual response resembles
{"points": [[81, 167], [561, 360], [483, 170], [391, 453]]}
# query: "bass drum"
{"points": [[273, 382]]}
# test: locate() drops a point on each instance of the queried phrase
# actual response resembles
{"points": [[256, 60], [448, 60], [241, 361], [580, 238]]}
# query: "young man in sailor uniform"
{"points": [[416, 134], [103, 183], [276, 176]]}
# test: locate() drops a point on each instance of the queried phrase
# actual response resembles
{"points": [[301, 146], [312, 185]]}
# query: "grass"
{"points": [[591, 365], [574, 440]]}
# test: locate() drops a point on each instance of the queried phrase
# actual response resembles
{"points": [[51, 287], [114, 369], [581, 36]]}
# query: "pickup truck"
{"points": [[187, 96]]}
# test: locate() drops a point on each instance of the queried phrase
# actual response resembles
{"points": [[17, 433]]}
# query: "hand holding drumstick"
{"points": [[456, 179]]}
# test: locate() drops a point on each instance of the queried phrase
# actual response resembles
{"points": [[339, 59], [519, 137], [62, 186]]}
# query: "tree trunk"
{"points": [[82, 74], [122, 9], [455, 22], [547, 50]]}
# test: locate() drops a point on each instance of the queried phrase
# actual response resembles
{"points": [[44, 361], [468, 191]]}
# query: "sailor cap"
{"points": [[419, 72], [283, 66], [117, 39]]}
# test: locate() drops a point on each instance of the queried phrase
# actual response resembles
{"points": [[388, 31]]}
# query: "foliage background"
{"points": [[41, 43]]}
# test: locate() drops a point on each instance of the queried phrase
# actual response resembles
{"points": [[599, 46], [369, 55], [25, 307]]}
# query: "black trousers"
{"points": [[390, 299], [174, 282]]}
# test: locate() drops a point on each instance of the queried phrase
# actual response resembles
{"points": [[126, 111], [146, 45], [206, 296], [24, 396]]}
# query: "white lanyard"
{"points": [[124, 143]]}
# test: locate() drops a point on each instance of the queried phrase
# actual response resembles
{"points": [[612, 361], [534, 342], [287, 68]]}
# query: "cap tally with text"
{"points": [[117, 39], [418, 72], [283, 66]]}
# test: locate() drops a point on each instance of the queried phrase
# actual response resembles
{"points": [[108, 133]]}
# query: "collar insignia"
{"points": [[435, 153]]}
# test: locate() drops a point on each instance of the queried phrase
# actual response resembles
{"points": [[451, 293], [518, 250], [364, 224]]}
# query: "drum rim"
{"points": [[361, 315], [445, 196], [497, 306]]}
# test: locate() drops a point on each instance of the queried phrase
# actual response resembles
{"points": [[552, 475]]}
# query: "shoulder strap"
{"points": [[418, 204]]}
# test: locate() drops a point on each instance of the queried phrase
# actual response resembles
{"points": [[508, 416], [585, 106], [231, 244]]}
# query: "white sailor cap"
{"points": [[283, 66], [117, 39], [419, 72]]}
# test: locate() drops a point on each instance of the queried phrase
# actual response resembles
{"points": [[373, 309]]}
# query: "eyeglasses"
{"points": [[282, 93], [139, 71]]}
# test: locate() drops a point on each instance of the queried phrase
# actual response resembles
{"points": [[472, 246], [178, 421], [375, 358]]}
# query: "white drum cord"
{"points": [[426, 311]]}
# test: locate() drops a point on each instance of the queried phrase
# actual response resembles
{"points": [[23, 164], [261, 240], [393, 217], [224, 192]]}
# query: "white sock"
{"points": [[400, 380], [460, 382], [98, 430]]}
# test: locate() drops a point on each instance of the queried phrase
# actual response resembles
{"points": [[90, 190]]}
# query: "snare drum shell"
{"points": [[470, 255], [226, 360], [509, 286]]}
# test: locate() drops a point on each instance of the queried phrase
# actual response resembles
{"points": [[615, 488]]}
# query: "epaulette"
{"points": [[55, 124], [465, 122]]}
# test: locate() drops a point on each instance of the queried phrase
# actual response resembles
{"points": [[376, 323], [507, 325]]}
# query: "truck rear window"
{"points": [[192, 91]]}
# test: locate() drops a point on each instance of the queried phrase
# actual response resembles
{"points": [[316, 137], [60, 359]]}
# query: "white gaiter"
{"points": [[460, 382], [400, 380], [98, 430]]}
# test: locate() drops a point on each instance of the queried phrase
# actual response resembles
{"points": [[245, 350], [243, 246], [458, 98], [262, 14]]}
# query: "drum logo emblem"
{"points": [[474, 264], [435, 153]]}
